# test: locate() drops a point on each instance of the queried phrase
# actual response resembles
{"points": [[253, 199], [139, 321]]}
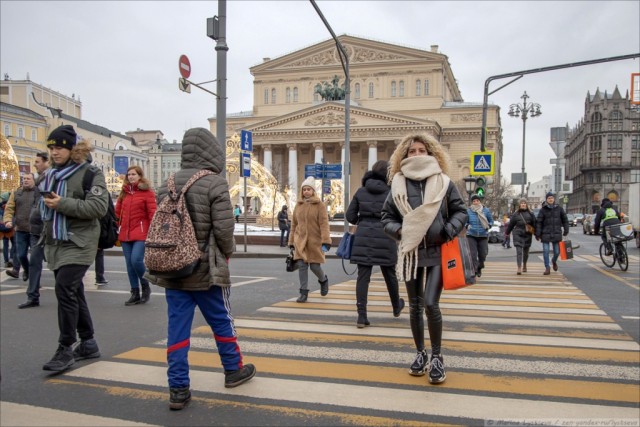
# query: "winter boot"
{"points": [[362, 316], [398, 310], [547, 271], [324, 286], [179, 397], [239, 376], [303, 295], [146, 291], [524, 267], [135, 297]]}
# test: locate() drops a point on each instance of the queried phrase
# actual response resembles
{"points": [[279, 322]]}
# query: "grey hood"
{"points": [[201, 150]]}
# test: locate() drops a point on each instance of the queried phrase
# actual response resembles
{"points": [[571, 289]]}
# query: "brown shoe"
{"points": [[547, 271], [524, 268], [519, 271], [555, 266]]}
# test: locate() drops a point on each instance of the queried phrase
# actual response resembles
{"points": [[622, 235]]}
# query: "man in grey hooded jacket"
{"points": [[209, 287]]}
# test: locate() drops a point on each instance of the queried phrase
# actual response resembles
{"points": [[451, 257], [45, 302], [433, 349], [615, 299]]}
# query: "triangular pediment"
{"points": [[331, 114], [359, 50]]}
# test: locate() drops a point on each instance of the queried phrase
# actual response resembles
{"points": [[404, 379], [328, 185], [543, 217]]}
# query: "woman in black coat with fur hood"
{"points": [[372, 246]]}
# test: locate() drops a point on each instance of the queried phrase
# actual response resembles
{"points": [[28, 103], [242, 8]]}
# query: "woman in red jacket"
{"points": [[135, 208]]}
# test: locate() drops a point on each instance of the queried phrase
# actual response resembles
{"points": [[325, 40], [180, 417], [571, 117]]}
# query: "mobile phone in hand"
{"points": [[46, 194]]}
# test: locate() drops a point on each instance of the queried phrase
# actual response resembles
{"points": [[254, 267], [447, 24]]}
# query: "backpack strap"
{"points": [[87, 179], [192, 180]]}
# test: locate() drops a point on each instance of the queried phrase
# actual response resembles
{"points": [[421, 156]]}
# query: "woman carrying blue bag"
{"points": [[372, 246]]}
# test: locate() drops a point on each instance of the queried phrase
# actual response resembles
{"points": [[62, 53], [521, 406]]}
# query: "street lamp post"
{"points": [[469, 183], [522, 110]]}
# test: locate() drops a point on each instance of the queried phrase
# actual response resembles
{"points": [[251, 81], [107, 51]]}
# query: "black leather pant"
{"points": [[421, 296]]}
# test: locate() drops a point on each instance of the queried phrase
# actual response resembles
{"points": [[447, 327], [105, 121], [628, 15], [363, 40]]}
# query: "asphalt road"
{"points": [[534, 347]]}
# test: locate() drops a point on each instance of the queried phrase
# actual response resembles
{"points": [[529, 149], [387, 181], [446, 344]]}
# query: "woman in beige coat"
{"points": [[310, 238]]}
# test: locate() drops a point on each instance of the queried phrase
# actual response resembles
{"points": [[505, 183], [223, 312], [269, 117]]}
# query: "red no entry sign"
{"points": [[185, 66]]}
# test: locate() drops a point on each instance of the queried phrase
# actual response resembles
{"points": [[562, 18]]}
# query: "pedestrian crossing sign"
{"points": [[482, 162]]}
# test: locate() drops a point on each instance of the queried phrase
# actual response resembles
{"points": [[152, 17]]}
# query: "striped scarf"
{"points": [[56, 181]]}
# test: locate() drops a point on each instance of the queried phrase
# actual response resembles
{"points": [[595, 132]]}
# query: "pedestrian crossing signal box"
{"points": [[480, 189], [482, 162]]}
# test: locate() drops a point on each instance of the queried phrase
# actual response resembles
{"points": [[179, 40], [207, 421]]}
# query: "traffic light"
{"points": [[489, 189], [480, 190]]}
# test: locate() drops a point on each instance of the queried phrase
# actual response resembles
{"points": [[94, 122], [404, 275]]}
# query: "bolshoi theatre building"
{"points": [[395, 91]]}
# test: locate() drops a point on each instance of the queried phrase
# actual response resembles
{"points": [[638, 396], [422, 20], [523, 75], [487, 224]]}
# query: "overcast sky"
{"points": [[121, 58]]}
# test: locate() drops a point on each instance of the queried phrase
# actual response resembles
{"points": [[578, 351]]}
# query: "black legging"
{"points": [[419, 298]]}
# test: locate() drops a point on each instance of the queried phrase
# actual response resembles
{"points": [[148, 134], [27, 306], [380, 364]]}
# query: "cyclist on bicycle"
{"points": [[606, 216]]}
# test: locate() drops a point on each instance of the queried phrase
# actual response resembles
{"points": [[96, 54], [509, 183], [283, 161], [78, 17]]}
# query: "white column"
{"points": [[293, 168], [342, 155], [373, 153], [268, 159], [318, 152]]}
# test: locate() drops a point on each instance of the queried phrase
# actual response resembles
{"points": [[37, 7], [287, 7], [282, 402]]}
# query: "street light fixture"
{"points": [[523, 110], [470, 185]]}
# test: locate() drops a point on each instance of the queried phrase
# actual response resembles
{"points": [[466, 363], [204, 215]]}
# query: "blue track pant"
{"points": [[214, 306]]}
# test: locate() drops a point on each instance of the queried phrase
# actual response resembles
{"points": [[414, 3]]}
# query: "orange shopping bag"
{"points": [[566, 251], [458, 270]]}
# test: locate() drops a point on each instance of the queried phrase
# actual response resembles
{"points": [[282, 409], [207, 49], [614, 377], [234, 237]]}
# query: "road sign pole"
{"points": [[244, 204]]}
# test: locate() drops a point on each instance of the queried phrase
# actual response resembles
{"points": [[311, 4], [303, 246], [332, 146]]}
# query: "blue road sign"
{"points": [[482, 162], [245, 161], [319, 171], [333, 171], [309, 170], [326, 186], [246, 140]]}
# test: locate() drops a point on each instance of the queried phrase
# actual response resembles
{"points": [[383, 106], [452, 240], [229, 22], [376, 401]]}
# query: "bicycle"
{"points": [[617, 236]]}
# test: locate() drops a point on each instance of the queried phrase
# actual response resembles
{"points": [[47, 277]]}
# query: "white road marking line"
{"points": [[462, 319], [361, 396], [453, 295], [491, 364], [596, 312], [631, 317], [14, 414], [448, 335]]}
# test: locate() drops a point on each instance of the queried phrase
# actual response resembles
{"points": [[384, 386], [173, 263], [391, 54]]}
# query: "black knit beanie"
{"points": [[63, 136]]}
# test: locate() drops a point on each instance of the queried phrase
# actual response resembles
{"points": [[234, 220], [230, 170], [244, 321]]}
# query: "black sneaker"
{"points": [[86, 350], [102, 282], [437, 375], [240, 376], [419, 365], [61, 361], [179, 397]]}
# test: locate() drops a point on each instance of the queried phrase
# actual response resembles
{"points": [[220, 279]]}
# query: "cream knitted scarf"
{"points": [[479, 210], [416, 222]]}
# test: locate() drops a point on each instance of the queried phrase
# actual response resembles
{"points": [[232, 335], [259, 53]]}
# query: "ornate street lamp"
{"points": [[523, 110], [470, 184]]}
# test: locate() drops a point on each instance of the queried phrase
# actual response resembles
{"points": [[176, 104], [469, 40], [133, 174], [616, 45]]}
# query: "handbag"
{"points": [[458, 270], [528, 227], [345, 246], [290, 262]]}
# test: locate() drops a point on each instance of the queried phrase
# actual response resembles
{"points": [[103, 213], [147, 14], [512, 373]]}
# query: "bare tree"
{"points": [[497, 200]]}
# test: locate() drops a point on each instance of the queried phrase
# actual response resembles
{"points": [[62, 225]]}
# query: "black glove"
{"points": [[565, 234], [449, 231], [292, 247]]}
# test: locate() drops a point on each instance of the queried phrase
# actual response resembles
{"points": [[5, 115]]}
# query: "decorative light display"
{"points": [[9, 171], [266, 188]]}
